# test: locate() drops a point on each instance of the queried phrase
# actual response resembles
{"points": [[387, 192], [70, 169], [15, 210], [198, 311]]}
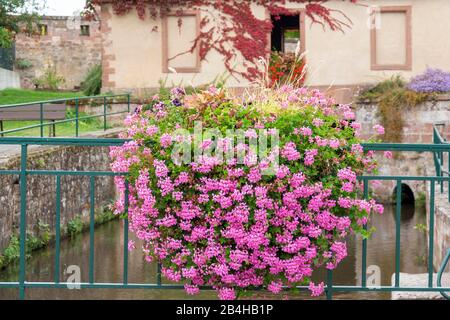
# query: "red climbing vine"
{"points": [[231, 28]]}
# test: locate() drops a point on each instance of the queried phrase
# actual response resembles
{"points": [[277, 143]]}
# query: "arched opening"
{"points": [[407, 200], [407, 194]]}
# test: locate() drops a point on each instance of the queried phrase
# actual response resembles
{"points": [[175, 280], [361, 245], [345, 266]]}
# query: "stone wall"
{"points": [[63, 48], [418, 129], [41, 190], [441, 224]]}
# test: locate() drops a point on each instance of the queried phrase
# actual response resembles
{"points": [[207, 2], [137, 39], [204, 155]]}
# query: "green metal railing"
{"points": [[75, 103], [7, 57], [22, 284], [439, 157]]}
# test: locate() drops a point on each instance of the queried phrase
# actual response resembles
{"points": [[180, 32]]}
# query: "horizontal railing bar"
{"points": [[75, 173], [6, 172], [38, 125], [116, 141], [105, 285], [410, 178], [111, 173], [64, 100], [417, 147], [51, 123], [82, 142]]}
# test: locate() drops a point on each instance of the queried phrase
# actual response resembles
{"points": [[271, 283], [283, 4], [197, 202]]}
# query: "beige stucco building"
{"points": [[386, 37]]}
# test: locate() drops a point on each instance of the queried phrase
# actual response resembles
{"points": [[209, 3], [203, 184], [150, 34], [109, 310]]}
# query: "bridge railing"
{"points": [[441, 164], [101, 102], [22, 284]]}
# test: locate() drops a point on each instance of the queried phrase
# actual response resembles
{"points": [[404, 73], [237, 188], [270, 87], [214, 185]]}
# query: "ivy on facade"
{"points": [[232, 29]]}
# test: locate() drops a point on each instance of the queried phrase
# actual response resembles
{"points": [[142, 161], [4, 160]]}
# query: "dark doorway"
{"points": [[408, 202], [407, 194], [285, 33]]}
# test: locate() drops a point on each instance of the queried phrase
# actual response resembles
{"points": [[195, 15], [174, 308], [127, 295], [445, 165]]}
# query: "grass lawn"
{"points": [[13, 96], [62, 129]]}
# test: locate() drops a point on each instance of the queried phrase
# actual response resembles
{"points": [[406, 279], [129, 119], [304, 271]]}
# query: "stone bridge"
{"points": [[418, 128]]}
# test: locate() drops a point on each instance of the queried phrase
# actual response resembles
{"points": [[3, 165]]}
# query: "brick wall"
{"points": [[418, 129], [63, 47]]}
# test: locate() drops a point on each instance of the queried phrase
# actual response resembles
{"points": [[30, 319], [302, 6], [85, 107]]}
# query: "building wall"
{"points": [[134, 52], [63, 48], [9, 79]]}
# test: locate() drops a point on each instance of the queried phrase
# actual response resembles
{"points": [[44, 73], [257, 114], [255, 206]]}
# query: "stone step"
{"points": [[418, 280]]}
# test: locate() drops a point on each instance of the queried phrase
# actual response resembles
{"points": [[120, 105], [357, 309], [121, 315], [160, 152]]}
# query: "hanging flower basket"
{"points": [[252, 218]]}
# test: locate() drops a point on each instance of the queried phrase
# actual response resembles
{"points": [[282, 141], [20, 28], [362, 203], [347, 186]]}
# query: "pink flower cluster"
{"points": [[228, 226]]}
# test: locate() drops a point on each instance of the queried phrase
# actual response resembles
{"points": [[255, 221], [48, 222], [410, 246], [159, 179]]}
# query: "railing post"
{"points": [[23, 219], [431, 235], [91, 229], [76, 117], [158, 275], [41, 116], [398, 212], [125, 235], [104, 113], [364, 241], [58, 230], [329, 284], [442, 171]]}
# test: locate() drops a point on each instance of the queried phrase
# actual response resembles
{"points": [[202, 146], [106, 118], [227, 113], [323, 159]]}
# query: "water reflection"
{"points": [[109, 257]]}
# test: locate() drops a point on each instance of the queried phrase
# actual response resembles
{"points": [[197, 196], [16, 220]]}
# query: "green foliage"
{"points": [[393, 99], [23, 64], [421, 228], [74, 226], [33, 242], [11, 252], [16, 15], [43, 237], [218, 82], [44, 233], [71, 114], [92, 84], [77, 225], [50, 80], [421, 200], [394, 83], [104, 217]]}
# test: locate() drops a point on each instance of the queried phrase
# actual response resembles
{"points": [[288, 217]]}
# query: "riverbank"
{"points": [[41, 200]]}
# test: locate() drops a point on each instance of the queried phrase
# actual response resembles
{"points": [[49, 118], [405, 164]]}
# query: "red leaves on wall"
{"points": [[231, 28]]}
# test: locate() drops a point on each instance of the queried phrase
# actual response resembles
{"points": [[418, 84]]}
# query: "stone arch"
{"points": [[407, 194]]}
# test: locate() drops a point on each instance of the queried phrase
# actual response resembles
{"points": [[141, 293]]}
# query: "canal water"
{"points": [[109, 255]]}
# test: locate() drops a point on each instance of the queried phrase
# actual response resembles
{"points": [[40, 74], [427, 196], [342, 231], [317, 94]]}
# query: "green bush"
{"points": [[23, 64], [74, 226], [92, 84], [50, 80], [394, 99], [11, 252]]}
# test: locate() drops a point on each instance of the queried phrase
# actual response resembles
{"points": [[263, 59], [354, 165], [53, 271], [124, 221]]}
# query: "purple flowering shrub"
{"points": [[432, 80], [237, 225]]}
